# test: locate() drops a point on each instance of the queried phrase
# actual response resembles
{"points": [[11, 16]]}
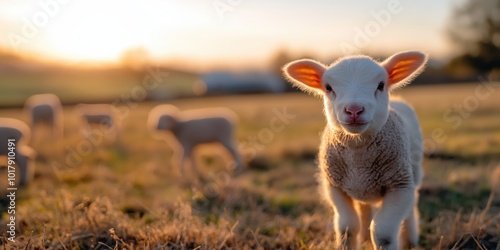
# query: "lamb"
{"points": [[46, 109], [100, 116], [371, 150], [14, 129], [11, 128], [194, 127]]}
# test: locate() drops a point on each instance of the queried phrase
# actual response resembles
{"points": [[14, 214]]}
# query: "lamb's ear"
{"points": [[403, 67], [305, 74]]}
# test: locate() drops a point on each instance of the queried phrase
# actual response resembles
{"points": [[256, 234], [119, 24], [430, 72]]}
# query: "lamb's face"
{"points": [[355, 95], [162, 118], [355, 89], [165, 122]]}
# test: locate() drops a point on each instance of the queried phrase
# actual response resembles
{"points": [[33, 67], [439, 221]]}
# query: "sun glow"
{"points": [[94, 30]]}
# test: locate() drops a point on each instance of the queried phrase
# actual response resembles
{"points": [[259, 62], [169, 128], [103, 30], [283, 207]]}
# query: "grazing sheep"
{"points": [[20, 132], [13, 129], [98, 116], [46, 109], [371, 151], [195, 127]]}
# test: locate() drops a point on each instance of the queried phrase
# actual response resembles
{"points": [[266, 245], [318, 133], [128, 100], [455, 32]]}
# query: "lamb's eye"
{"points": [[328, 88], [381, 86]]}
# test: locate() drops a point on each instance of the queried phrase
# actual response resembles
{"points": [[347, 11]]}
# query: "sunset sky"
{"points": [[213, 33]]}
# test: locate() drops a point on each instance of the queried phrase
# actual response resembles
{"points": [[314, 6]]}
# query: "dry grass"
{"points": [[125, 195]]}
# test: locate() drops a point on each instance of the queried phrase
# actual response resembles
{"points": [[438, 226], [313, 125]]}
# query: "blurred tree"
{"points": [[475, 28]]}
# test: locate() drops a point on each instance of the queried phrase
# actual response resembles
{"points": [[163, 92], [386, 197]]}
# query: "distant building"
{"points": [[221, 82]]}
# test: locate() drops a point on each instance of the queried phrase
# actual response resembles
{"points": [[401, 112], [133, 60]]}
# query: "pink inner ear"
{"points": [[402, 69], [307, 75]]}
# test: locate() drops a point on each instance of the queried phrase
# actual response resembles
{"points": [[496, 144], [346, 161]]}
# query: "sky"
{"points": [[221, 33]]}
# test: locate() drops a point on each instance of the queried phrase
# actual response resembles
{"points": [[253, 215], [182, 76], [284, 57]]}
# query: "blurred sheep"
{"points": [[24, 155], [13, 129], [98, 116], [194, 127], [46, 109]]}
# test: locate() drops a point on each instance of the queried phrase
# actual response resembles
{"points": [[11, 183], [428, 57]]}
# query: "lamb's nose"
{"points": [[354, 111]]}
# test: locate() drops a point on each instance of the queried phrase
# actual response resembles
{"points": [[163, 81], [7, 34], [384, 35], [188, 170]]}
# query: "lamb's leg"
{"points": [[118, 135], [229, 145], [112, 131], [396, 206], [410, 230], [189, 154], [178, 161], [346, 222], [365, 215], [86, 129], [26, 171]]}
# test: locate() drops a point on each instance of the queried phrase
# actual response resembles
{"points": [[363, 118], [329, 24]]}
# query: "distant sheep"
{"points": [[46, 109], [371, 149], [20, 132], [98, 116], [13, 129], [194, 127]]}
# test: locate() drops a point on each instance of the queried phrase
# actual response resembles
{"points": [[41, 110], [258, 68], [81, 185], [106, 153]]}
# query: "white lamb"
{"points": [[46, 109], [194, 127], [371, 152], [100, 117], [20, 133]]}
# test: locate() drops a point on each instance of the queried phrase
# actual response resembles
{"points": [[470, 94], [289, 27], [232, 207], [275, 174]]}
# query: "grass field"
{"points": [[75, 85], [126, 194]]}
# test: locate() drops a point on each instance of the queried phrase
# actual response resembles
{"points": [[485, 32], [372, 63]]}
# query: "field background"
{"points": [[126, 194]]}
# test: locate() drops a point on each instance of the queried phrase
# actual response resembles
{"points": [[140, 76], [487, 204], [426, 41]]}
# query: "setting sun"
{"points": [[102, 31]]}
